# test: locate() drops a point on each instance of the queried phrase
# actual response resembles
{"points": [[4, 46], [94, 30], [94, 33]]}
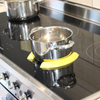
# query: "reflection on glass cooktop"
{"points": [[15, 45]]}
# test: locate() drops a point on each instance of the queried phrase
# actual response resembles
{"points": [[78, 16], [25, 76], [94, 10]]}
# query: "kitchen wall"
{"points": [[90, 3]]}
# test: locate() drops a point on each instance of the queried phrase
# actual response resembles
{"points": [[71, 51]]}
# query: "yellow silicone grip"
{"points": [[47, 60], [31, 57], [60, 63]]}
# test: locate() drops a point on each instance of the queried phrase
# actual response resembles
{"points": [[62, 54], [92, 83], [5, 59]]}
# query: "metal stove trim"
{"points": [[77, 11], [91, 27]]}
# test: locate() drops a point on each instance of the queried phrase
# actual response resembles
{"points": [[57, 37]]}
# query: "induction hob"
{"points": [[86, 67]]}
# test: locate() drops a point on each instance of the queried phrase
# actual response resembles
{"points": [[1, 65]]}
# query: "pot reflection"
{"points": [[20, 30], [64, 77]]}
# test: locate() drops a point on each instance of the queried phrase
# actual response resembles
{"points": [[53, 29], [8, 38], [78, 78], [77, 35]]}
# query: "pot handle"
{"points": [[70, 84], [67, 46]]}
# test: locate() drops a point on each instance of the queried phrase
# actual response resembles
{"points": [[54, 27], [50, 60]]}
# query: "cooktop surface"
{"points": [[15, 45]]}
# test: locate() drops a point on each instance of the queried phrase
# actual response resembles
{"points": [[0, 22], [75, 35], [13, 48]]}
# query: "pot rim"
{"points": [[39, 28]]}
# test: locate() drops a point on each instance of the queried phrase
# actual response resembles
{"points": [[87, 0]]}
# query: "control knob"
{"points": [[26, 95], [4, 76], [14, 85]]}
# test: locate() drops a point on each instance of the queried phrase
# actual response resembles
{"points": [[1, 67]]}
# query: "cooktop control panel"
{"points": [[20, 85], [15, 85]]}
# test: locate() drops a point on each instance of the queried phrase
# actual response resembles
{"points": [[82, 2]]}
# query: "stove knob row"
{"points": [[25, 95], [13, 85], [4, 76]]}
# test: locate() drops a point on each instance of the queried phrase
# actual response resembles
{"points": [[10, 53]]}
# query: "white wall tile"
{"points": [[2, 8], [96, 4], [84, 2], [77, 1]]}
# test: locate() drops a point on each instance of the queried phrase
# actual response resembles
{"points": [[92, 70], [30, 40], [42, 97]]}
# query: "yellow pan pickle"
{"points": [[60, 63], [46, 60], [31, 57]]}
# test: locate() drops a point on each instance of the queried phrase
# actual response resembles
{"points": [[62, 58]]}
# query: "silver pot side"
{"points": [[46, 51], [22, 10]]}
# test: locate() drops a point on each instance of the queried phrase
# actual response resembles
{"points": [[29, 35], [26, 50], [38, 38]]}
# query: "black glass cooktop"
{"points": [[15, 45]]}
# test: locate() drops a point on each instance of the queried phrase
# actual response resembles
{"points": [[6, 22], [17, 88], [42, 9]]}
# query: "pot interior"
{"points": [[51, 34]]}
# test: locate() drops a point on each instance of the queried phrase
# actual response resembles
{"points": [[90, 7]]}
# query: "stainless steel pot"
{"points": [[51, 42], [63, 77], [22, 9]]}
